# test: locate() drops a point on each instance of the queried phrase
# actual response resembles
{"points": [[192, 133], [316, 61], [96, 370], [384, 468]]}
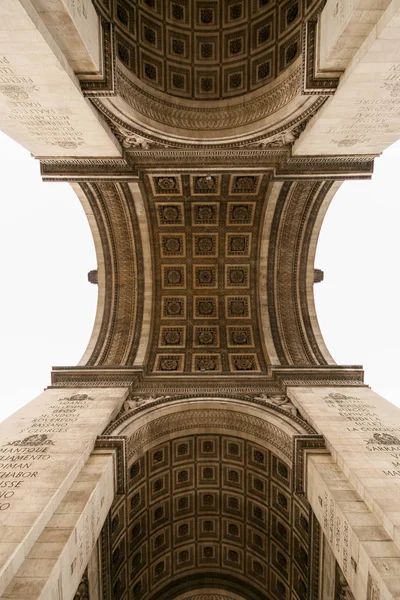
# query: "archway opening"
{"points": [[357, 250], [47, 306]]}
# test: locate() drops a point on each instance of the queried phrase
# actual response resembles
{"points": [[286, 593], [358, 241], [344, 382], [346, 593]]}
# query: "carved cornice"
{"points": [[275, 159], [126, 414], [104, 85], [204, 118], [119, 445], [279, 161], [325, 375], [280, 379], [301, 445], [197, 596], [87, 169], [314, 80], [94, 377]]}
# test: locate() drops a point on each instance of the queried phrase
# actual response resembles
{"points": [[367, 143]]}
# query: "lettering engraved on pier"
{"points": [[46, 124], [21, 459], [364, 419]]}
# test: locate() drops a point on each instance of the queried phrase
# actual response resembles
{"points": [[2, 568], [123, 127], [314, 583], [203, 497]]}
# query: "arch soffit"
{"points": [[285, 256], [166, 417], [155, 434], [266, 99]]}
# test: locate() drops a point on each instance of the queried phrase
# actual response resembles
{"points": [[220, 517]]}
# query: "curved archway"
{"points": [[211, 501], [356, 246], [47, 305]]}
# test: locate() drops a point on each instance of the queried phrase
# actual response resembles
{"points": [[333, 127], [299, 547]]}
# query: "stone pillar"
{"points": [[355, 490], [363, 115], [55, 565], [43, 447], [328, 571], [76, 28], [343, 27], [41, 104]]}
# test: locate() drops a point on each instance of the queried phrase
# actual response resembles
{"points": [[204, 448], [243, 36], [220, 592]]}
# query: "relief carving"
{"points": [[82, 592], [133, 403], [342, 591], [221, 419], [185, 117], [281, 401], [197, 596], [373, 590]]}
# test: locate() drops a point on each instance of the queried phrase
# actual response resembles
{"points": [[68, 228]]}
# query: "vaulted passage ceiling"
{"points": [[206, 232], [207, 273], [198, 71], [206, 227], [209, 50], [211, 510]]}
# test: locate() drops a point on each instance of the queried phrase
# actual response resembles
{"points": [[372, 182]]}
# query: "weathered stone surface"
{"points": [[43, 447]]}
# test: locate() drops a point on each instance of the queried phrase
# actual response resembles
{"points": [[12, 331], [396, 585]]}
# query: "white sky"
{"points": [[47, 306]]}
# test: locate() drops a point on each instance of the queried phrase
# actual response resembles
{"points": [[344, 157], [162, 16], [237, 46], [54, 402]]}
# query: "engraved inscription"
{"points": [[45, 124]]}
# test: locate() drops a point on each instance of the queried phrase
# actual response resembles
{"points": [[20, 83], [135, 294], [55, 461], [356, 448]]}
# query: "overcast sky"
{"points": [[47, 306]]}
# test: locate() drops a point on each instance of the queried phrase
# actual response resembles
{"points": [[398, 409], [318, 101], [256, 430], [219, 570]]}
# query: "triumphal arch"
{"points": [[207, 446]]}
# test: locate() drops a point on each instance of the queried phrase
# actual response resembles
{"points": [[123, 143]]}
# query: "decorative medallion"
{"points": [[174, 307], [238, 244], [170, 363], [172, 245], [240, 213], [165, 185], [240, 336], [206, 337], [244, 362], [205, 307], [174, 276], [172, 337], [237, 276], [205, 185], [205, 213], [238, 307], [205, 276], [206, 363], [205, 244], [170, 213]]}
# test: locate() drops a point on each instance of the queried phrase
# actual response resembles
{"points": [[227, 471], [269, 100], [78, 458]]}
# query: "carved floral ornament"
{"points": [[135, 138], [265, 418], [207, 596], [268, 400]]}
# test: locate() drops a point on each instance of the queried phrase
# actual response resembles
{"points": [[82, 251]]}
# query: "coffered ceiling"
{"points": [[208, 50], [206, 236]]}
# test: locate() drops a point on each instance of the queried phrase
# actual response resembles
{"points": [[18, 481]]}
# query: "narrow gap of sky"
{"points": [[47, 306], [358, 250]]}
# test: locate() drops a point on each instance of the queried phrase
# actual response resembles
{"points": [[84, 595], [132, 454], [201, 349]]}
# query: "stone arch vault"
{"points": [[205, 140]]}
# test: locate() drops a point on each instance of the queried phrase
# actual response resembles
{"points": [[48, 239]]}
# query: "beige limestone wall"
{"points": [[363, 116], [343, 27], [101, 272], [75, 27], [41, 104], [55, 564], [355, 491], [328, 571], [148, 273], [43, 447]]}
